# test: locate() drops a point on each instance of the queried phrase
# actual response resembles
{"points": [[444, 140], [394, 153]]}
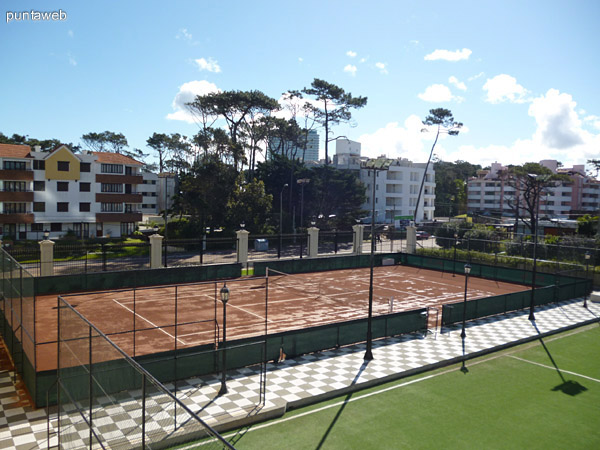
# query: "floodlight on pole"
{"points": [[587, 263], [224, 299], [463, 334], [302, 182], [281, 218], [379, 164]]}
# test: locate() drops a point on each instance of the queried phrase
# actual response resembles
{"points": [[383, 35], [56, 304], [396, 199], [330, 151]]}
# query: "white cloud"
{"points": [[70, 33], [362, 60], [183, 34], [458, 84], [300, 59], [72, 60], [351, 69], [351, 54], [448, 55], [558, 135], [593, 121], [403, 141], [210, 65], [187, 93], [438, 93], [474, 77], [382, 67], [558, 123], [504, 88]]}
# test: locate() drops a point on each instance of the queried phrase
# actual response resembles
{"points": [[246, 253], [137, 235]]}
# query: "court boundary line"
{"points": [[554, 368]]}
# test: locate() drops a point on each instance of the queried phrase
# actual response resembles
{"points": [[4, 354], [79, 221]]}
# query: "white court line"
{"points": [[554, 368], [248, 312], [143, 318]]}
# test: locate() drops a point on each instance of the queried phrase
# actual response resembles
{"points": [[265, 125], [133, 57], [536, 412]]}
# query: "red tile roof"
{"points": [[116, 158], [14, 151]]}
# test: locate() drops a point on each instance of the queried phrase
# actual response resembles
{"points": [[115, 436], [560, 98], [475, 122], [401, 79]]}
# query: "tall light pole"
{"points": [[281, 218], [454, 265], [379, 164], [224, 300], [536, 203], [302, 182], [463, 334], [587, 263]]}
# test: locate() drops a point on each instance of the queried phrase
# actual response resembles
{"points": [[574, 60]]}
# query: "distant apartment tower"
{"points": [[293, 151], [347, 154], [493, 192], [90, 194]]}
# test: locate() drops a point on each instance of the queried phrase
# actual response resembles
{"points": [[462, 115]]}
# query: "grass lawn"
{"points": [[542, 395]]}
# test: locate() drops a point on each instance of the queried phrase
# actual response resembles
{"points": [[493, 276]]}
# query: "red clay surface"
{"points": [[294, 302]]}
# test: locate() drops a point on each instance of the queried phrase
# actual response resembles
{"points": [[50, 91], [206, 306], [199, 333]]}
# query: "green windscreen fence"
{"points": [[17, 317]]}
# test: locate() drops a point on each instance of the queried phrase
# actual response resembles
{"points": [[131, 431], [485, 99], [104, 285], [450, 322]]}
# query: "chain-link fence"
{"points": [[107, 400]]}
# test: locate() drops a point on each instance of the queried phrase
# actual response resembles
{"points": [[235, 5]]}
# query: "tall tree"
{"points": [[172, 150], [450, 185], [334, 105], [531, 181], [595, 163], [442, 122], [45, 145]]}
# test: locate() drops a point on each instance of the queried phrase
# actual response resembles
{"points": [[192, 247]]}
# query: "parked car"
{"points": [[422, 235]]}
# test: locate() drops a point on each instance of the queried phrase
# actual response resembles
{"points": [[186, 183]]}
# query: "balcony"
{"points": [[119, 217], [119, 198], [16, 196], [119, 179], [9, 217], [17, 175]]}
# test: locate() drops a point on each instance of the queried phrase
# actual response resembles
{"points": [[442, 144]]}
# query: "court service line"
{"points": [[151, 323], [248, 312], [554, 368]]}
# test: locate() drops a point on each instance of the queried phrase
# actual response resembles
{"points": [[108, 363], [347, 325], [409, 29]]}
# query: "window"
{"points": [[39, 207], [130, 208], [39, 164], [15, 208], [39, 185], [111, 168], [14, 165], [37, 227], [84, 187], [62, 207], [84, 207], [62, 186], [15, 186], [128, 170], [62, 166], [85, 167], [111, 207], [111, 187], [56, 227]]}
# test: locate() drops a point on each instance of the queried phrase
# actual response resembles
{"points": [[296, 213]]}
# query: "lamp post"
{"points": [[224, 299], [46, 235], [467, 272], [534, 178], [374, 165], [454, 266], [587, 262], [281, 219]]}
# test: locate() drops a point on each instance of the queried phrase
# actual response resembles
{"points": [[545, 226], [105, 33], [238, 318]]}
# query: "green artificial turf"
{"points": [[502, 401]]}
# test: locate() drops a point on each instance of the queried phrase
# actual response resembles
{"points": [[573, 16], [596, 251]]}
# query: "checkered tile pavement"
{"points": [[297, 381]]}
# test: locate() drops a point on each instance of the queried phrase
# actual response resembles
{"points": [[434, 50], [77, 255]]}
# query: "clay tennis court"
{"points": [[294, 302]]}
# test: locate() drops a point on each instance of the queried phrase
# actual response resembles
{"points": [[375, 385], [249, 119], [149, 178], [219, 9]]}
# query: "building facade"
{"points": [[88, 194], [492, 192], [289, 149]]}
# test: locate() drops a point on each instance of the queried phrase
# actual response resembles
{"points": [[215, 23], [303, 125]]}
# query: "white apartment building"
{"points": [[490, 191], [148, 190], [90, 194], [396, 189]]}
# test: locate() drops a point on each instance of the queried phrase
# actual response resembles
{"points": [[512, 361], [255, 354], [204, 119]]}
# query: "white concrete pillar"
{"points": [[46, 258], [411, 239], [156, 251], [242, 246], [313, 242], [357, 239]]}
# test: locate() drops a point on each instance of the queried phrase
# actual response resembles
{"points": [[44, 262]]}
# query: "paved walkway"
{"points": [[309, 378]]}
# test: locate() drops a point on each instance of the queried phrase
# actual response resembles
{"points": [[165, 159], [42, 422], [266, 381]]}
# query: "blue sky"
{"points": [[523, 76]]}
